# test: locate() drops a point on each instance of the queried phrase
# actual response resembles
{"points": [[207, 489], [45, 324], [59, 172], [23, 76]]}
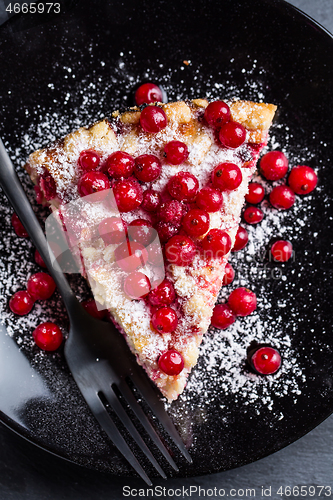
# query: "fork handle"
{"points": [[15, 193]]}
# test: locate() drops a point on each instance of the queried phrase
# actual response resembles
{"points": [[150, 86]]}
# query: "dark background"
{"points": [[28, 473]]}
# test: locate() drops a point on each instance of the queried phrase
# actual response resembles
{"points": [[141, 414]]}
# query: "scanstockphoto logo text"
{"points": [[187, 492], [260, 266]]}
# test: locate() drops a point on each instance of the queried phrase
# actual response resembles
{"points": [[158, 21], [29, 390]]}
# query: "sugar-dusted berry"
{"points": [[274, 165], [281, 250], [41, 286], [165, 320], [153, 119], [229, 274], [217, 113], [222, 317], [176, 152], [183, 186], [48, 336], [232, 135], [147, 168], [21, 303], [89, 160], [241, 239], [209, 199], [180, 250], [282, 197], [18, 227], [226, 176], [171, 362], [128, 194], [94, 182], [242, 301], [196, 222], [112, 230], [148, 93], [163, 295], [137, 285], [255, 194], [302, 179], [216, 244], [120, 165], [253, 215], [265, 360]]}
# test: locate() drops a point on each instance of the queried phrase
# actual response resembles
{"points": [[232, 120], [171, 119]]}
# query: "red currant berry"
{"points": [[183, 186], [176, 152], [89, 160], [137, 285], [266, 360], [41, 286], [256, 193], [253, 215], [112, 230], [180, 250], [171, 362], [229, 275], [128, 194], [94, 182], [38, 259], [163, 295], [141, 231], [151, 200], [281, 250], [21, 303], [91, 307], [155, 255], [216, 244], [166, 230], [241, 239], [148, 93], [120, 164], [48, 336], [217, 113], [147, 168], [196, 222], [302, 179], [153, 119], [242, 301], [232, 135], [130, 255], [222, 316], [226, 176], [157, 274], [171, 211], [282, 197], [48, 186], [209, 199], [165, 320], [274, 165], [18, 227]]}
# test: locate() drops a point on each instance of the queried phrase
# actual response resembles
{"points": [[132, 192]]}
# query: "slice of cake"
{"points": [[179, 169]]}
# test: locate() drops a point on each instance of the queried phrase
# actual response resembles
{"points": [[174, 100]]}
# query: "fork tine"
{"points": [[142, 417], [111, 430], [148, 392], [118, 408]]}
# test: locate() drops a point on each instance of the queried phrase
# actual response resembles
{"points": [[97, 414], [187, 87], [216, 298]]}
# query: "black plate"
{"points": [[68, 70]]}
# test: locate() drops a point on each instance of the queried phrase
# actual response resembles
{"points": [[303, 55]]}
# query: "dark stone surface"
{"points": [[29, 473]]}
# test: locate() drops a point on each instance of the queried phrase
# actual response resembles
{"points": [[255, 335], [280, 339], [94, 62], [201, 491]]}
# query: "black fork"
{"points": [[97, 354]]}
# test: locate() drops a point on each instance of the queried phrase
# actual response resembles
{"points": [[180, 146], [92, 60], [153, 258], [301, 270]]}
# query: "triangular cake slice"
{"points": [[196, 249]]}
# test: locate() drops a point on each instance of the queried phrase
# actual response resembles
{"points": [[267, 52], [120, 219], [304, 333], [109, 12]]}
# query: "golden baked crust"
{"points": [[197, 285]]}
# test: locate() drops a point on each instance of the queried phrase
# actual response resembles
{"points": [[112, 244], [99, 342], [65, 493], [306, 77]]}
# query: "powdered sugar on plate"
{"points": [[222, 367]]}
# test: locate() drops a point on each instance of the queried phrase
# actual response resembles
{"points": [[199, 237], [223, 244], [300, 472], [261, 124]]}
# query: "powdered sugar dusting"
{"points": [[221, 368]]}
